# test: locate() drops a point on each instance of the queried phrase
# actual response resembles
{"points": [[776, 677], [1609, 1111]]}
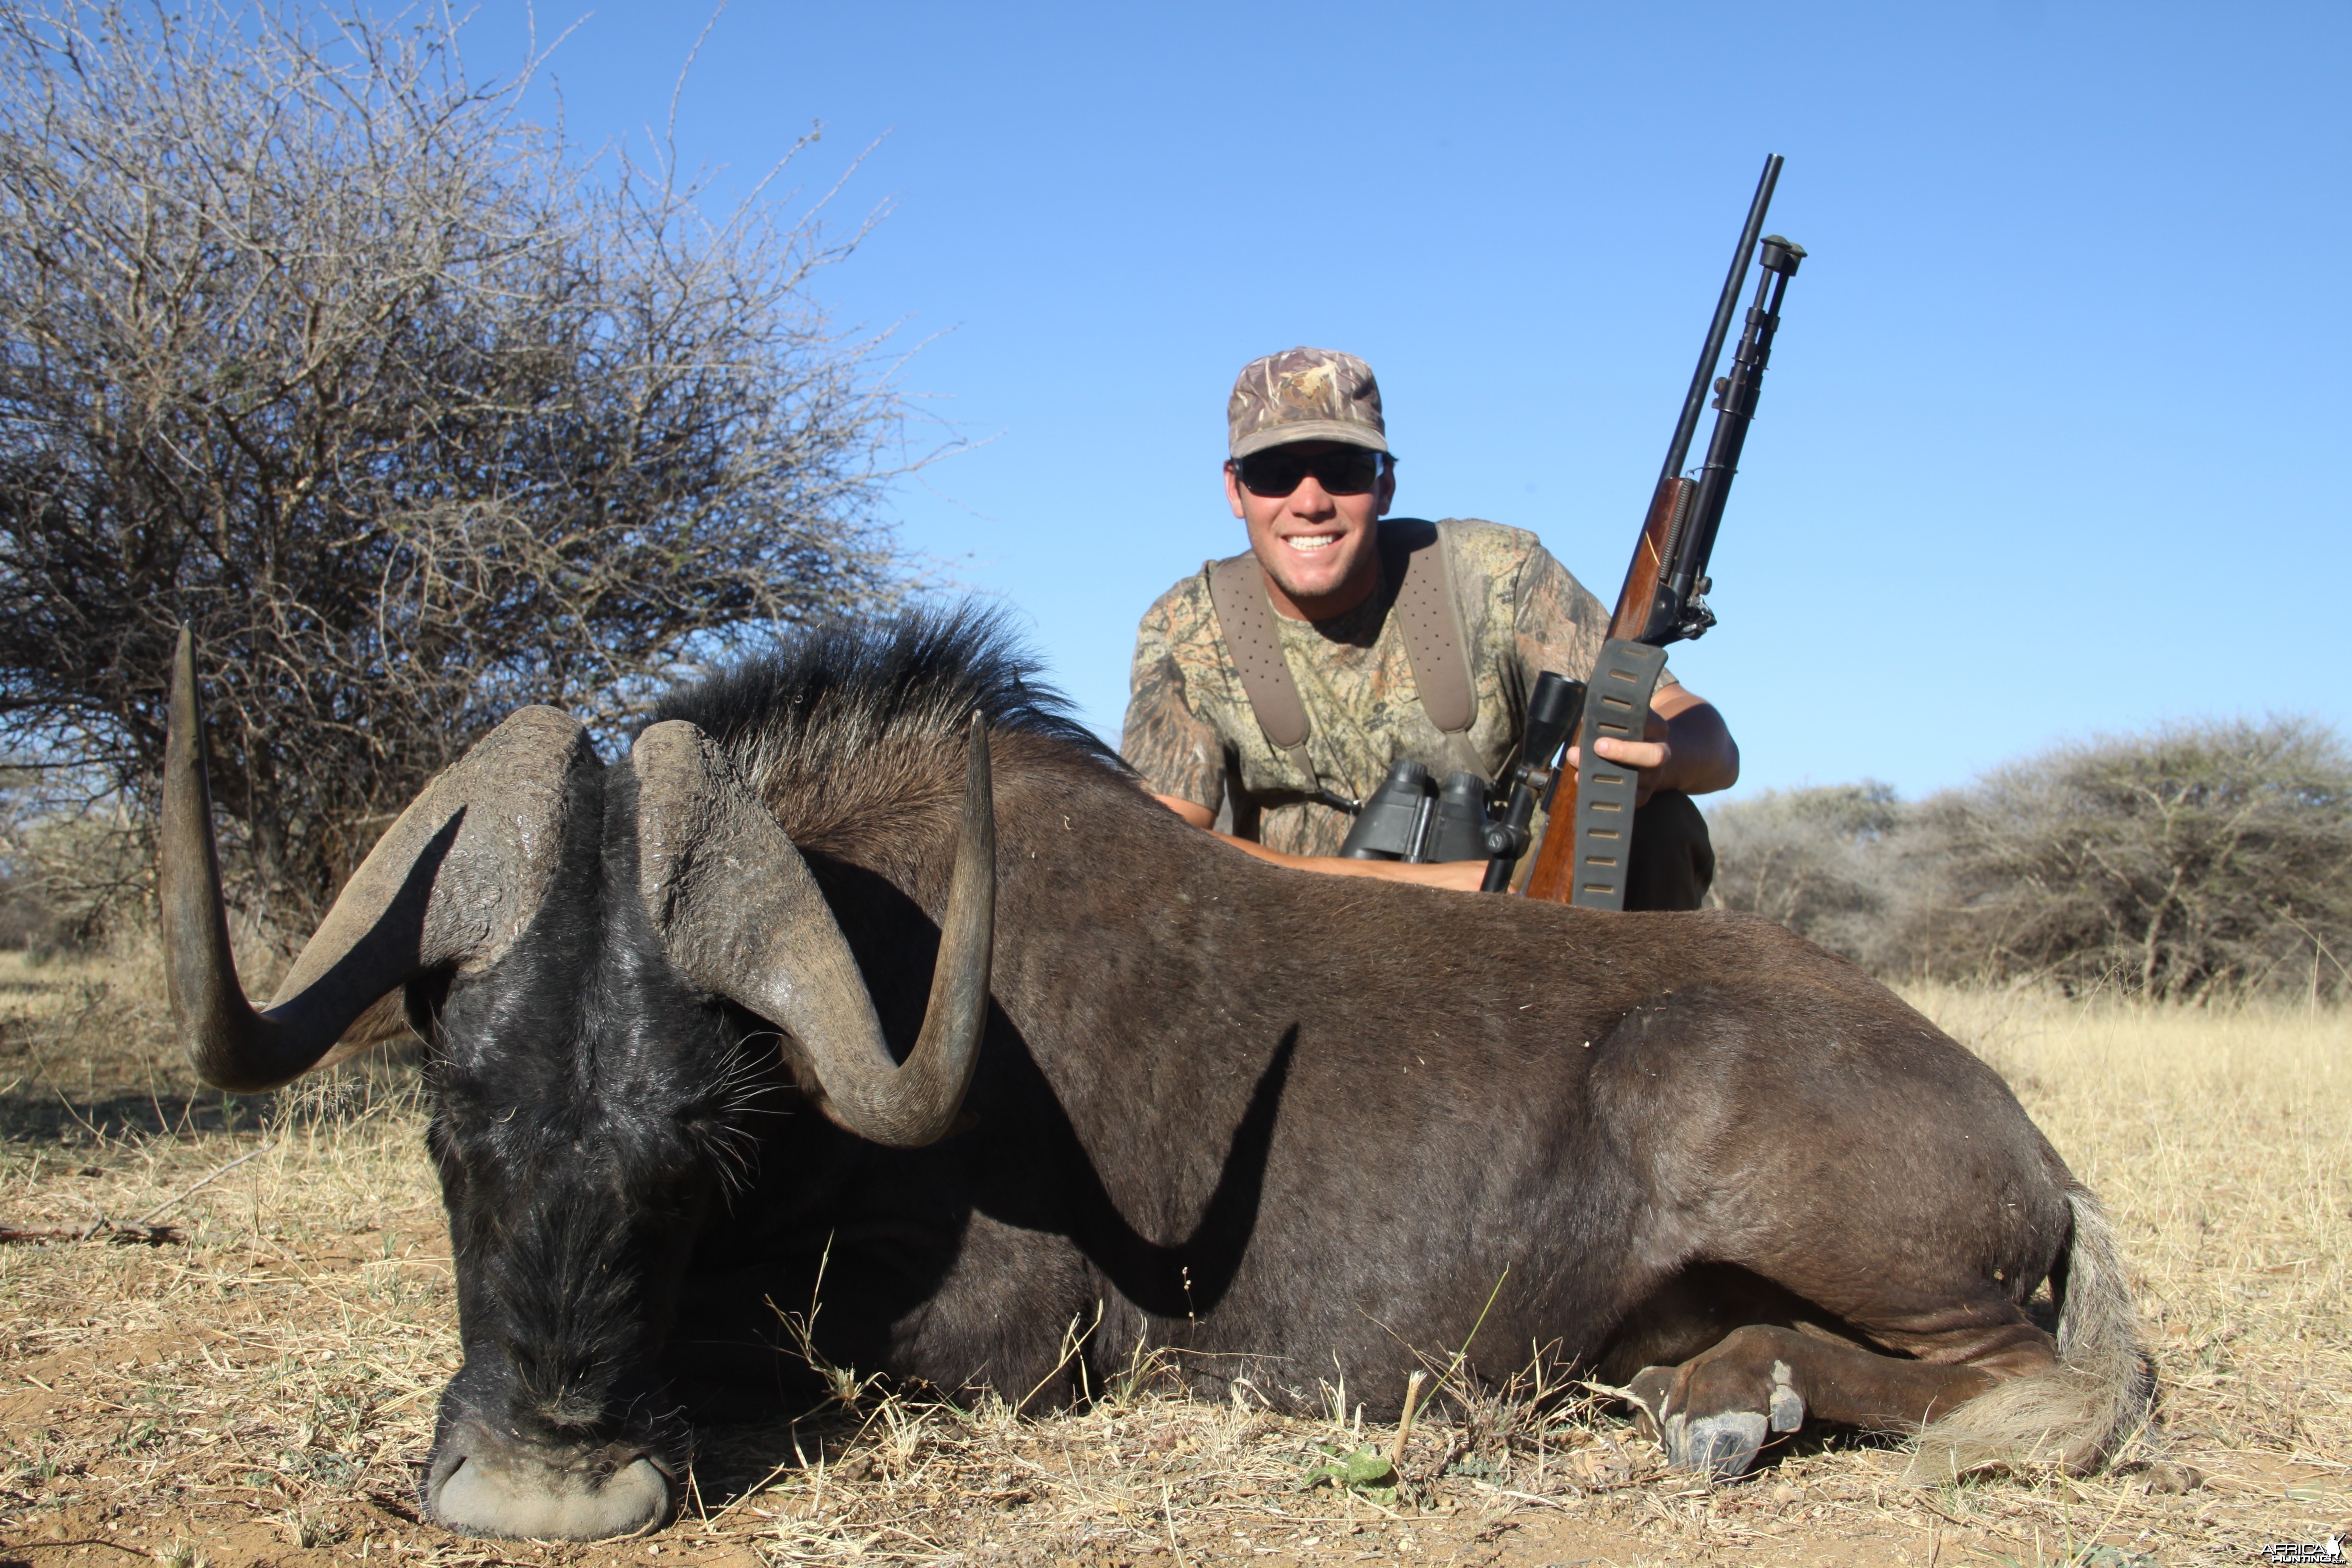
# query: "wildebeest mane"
{"points": [[845, 729]]}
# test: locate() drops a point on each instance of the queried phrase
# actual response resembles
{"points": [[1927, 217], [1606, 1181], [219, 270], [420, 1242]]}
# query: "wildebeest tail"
{"points": [[2076, 1413]]}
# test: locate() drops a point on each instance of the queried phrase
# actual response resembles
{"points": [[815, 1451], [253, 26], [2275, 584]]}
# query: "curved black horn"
{"points": [[741, 915], [456, 879]]}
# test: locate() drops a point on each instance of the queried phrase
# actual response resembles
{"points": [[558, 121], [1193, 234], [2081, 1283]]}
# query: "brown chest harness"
{"points": [[1412, 557]]}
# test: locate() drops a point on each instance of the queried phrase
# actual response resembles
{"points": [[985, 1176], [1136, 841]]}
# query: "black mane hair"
{"points": [[840, 730], [921, 671]]}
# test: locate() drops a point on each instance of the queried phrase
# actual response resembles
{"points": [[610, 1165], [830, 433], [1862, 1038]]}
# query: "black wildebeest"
{"points": [[705, 1015]]}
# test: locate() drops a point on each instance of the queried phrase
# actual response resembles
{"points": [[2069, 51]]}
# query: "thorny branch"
{"points": [[416, 413]]}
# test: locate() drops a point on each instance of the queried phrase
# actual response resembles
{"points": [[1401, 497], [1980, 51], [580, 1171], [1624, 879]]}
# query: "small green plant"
{"points": [[306, 1528], [1365, 1471], [2109, 1557], [180, 1553]]}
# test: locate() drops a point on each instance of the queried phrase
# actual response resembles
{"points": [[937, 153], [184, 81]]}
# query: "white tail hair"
{"points": [[2074, 1415]]}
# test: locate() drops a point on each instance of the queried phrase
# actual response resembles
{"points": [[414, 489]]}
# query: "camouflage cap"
{"points": [[1305, 395]]}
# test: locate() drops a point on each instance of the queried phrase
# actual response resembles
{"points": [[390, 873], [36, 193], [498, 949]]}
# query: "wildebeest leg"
{"points": [[1716, 1411]]}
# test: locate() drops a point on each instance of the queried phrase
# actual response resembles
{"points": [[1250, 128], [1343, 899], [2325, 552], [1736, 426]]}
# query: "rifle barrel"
{"points": [[1703, 379]]}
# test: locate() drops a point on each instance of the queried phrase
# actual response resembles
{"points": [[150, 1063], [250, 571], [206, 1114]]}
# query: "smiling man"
{"points": [[1282, 683]]}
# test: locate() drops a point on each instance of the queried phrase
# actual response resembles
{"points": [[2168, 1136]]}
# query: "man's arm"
{"points": [[1461, 874], [1688, 747], [1560, 625]]}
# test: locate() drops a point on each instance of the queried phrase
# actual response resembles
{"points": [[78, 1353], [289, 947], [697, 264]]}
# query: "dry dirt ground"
{"points": [[227, 1321]]}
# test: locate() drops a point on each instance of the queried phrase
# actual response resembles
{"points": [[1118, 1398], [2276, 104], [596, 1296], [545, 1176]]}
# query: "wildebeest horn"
{"points": [[456, 879], [741, 915]]}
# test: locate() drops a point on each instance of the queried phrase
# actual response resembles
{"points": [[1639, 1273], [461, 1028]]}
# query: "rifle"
{"points": [[1663, 601]]}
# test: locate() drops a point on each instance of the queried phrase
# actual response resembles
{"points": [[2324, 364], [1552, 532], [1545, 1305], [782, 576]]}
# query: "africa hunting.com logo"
{"points": [[2328, 1550]]}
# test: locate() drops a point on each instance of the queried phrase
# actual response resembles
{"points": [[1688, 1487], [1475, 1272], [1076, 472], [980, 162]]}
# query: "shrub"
{"points": [[1816, 859], [413, 413], [2196, 860]]}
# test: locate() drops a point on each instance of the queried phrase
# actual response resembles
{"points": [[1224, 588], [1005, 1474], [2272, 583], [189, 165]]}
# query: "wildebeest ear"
{"points": [[740, 916], [386, 1019], [454, 881]]}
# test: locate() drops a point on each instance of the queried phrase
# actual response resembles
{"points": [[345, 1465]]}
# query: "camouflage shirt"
{"points": [[1190, 731]]}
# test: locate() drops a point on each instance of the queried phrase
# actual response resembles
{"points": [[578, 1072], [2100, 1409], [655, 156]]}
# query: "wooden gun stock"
{"points": [[1553, 875], [1653, 556]]}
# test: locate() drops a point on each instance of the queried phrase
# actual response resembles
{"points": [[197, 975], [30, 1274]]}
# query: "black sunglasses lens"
{"points": [[1348, 473], [1278, 473], [1272, 473]]}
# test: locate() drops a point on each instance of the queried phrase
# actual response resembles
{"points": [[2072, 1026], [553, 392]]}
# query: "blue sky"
{"points": [[2044, 447]]}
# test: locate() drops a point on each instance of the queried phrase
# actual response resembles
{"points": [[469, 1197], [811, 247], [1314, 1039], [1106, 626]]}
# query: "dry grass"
{"points": [[255, 1383]]}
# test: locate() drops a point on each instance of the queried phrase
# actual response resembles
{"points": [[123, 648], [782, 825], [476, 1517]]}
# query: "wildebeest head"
{"points": [[564, 935]]}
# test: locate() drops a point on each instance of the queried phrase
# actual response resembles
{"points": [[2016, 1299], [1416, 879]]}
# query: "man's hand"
{"points": [[1462, 876], [1684, 746], [1192, 811]]}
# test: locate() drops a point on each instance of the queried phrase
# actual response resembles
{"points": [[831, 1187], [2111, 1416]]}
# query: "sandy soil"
{"points": [[226, 1324]]}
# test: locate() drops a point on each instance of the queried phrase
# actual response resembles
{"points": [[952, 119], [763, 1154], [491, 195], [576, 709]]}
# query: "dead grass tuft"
{"points": [[259, 1387]]}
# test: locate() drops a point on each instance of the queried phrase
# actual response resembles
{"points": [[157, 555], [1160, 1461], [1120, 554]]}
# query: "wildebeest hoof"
{"points": [[1788, 1409], [1722, 1446]]}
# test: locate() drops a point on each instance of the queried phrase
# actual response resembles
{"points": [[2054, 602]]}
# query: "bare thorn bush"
{"points": [[2192, 862], [413, 410], [1813, 859]]}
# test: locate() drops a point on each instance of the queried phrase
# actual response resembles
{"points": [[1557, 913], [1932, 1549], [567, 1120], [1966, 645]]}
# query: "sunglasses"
{"points": [[1277, 470]]}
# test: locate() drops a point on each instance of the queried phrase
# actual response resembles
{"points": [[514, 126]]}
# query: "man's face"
{"points": [[1319, 549]]}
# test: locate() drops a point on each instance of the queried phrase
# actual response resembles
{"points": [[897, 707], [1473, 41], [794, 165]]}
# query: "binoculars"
{"points": [[1410, 818]]}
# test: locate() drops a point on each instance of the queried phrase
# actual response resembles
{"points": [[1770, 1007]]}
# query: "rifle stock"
{"points": [[1662, 600], [1552, 877], [1653, 556]]}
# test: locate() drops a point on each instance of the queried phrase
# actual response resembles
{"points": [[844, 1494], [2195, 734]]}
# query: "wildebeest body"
{"points": [[1310, 1122], [1292, 1128]]}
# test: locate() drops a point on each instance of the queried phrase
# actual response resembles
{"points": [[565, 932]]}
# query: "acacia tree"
{"points": [[2190, 861], [1815, 859], [2195, 859], [412, 410]]}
